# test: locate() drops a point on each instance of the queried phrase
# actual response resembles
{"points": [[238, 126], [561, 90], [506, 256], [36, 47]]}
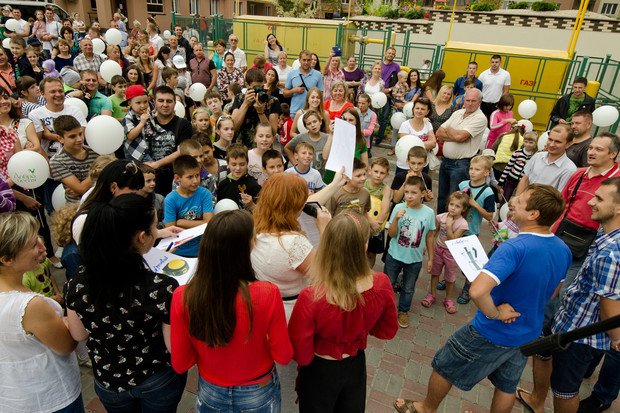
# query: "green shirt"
{"points": [[39, 280], [98, 103], [118, 112], [573, 106]]}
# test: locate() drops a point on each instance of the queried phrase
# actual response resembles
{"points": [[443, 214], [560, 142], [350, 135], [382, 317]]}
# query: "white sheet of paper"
{"points": [[180, 268], [183, 237], [469, 255], [343, 148]]}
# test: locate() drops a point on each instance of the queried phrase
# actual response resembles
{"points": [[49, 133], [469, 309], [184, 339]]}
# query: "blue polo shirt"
{"points": [[294, 79]]}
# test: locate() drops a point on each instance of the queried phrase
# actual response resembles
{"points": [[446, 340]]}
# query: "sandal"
{"points": [[464, 297], [441, 285], [406, 407], [428, 300], [449, 306]]}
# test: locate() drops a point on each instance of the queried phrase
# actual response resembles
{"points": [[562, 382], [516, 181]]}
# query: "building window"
{"points": [[155, 6], [194, 7], [609, 8], [345, 1], [215, 7], [251, 9], [175, 6], [267, 11]]}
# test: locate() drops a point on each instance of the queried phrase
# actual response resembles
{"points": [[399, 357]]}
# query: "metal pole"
{"points": [[451, 21]]}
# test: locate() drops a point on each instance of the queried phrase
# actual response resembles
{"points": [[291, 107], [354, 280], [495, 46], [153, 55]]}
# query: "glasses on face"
{"points": [[233, 40]]}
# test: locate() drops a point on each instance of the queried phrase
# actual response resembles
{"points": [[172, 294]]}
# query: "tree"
{"points": [[294, 8]]}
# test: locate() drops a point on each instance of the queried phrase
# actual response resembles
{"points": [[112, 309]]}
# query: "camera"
{"points": [[261, 95]]}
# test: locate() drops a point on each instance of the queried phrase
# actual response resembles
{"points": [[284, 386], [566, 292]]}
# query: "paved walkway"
{"points": [[399, 367]]}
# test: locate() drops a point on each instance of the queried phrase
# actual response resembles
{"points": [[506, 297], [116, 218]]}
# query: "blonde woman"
{"points": [[331, 73], [149, 71], [332, 319], [374, 83], [442, 107]]}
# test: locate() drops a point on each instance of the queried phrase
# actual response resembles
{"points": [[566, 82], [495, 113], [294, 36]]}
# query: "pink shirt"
{"points": [[498, 125], [460, 223]]}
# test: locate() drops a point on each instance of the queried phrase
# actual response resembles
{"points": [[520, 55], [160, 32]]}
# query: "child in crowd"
{"points": [[263, 137], [213, 103], [412, 228], [505, 229], [71, 164], [502, 119], [21, 64], [35, 62], [183, 73], [272, 162], [138, 125], [193, 148], [380, 196], [119, 85], [285, 124], [314, 136], [416, 159], [189, 205], [481, 203], [224, 134], [368, 118], [513, 171], [314, 101], [201, 121], [460, 99], [49, 69], [400, 89], [304, 153], [42, 281], [148, 191], [170, 76], [234, 89], [217, 169], [451, 225], [238, 185], [352, 194], [95, 170]]}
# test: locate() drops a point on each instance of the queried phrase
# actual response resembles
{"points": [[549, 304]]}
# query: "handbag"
{"points": [[577, 237]]}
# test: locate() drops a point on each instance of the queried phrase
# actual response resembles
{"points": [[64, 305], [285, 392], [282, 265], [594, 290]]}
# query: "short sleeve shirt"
{"points": [[484, 196], [474, 124], [166, 143], [42, 117], [408, 246], [556, 173], [64, 165], [458, 224], [318, 162], [294, 79], [245, 133], [343, 200], [311, 176]]}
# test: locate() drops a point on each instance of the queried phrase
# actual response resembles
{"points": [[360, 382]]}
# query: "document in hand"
{"points": [[343, 148], [469, 255]]}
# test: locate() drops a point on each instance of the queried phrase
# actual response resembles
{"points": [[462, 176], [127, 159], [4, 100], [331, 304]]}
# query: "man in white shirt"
{"points": [[495, 83], [240, 61], [52, 31], [552, 167], [24, 26]]}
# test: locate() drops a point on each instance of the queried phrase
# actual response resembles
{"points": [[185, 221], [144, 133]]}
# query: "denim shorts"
{"points": [[467, 358], [569, 367], [256, 398]]}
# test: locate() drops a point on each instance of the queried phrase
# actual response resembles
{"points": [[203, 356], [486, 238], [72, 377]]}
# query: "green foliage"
{"points": [[415, 14], [544, 6], [519, 5], [484, 7], [294, 8], [391, 14]]}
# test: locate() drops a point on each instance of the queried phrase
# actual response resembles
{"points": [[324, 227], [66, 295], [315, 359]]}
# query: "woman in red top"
{"points": [[230, 325], [331, 320], [338, 103]]}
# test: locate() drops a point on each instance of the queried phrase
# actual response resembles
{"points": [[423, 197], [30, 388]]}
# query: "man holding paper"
{"points": [[510, 293]]}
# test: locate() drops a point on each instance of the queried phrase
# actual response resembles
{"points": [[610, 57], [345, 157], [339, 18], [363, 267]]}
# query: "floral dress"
{"points": [[224, 78]]}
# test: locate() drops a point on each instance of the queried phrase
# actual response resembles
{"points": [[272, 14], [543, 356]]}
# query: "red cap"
{"points": [[132, 92]]}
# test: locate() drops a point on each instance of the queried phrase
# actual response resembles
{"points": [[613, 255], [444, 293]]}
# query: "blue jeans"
{"points": [[76, 407], [410, 276], [451, 173], [384, 120], [159, 393], [608, 384], [256, 398]]}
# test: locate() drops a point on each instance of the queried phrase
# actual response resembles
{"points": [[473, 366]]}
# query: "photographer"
{"points": [[253, 107]]}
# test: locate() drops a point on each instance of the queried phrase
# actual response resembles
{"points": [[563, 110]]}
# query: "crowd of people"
{"points": [[284, 295]]}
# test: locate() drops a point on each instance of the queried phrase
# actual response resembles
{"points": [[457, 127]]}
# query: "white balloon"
{"points": [[296, 64], [113, 36], [58, 197], [6, 43], [78, 103], [98, 46], [167, 34], [28, 169], [225, 205], [104, 134], [12, 25], [605, 116], [526, 124], [197, 92], [301, 128], [109, 69], [404, 144], [503, 212], [408, 109], [179, 109], [378, 100], [398, 118], [542, 141], [527, 109]]}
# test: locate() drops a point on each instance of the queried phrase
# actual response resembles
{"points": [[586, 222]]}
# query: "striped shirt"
{"points": [[515, 166], [599, 277]]}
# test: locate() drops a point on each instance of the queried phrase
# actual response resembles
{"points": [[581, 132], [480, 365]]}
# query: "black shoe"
{"points": [[592, 405]]}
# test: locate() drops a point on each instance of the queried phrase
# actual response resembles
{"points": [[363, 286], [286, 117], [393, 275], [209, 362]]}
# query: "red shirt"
{"points": [[579, 211], [285, 132], [244, 359], [334, 115], [322, 328]]}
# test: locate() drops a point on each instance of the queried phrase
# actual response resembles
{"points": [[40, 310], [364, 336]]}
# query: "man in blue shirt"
{"points": [[510, 294], [592, 297], [459, 85], [299, 81]]}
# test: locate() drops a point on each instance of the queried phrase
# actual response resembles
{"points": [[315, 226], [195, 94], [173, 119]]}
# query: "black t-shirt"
{"points": [[176, 131], [231, 189], [401, 177], [219, 153], [245, 134]]}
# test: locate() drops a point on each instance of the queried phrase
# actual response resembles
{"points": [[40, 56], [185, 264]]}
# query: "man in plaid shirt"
{"points": [[88, 59], [592, 297]]}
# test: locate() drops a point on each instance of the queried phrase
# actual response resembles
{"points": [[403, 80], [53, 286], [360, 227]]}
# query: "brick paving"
{"points": [[399, 367]]}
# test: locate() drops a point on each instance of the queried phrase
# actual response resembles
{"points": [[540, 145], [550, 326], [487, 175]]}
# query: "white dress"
{"points": [[33, 377], [275, 259]]}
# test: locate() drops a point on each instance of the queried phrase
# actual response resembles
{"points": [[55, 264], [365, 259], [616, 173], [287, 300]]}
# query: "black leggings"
{"points": [[333, 385]]}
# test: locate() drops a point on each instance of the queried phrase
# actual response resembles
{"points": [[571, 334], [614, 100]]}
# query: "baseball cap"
{"points": [[488, 152], [33, 41], [179, 62], [132, 92]]}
